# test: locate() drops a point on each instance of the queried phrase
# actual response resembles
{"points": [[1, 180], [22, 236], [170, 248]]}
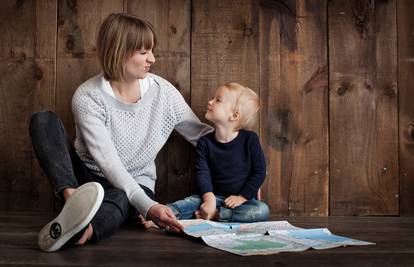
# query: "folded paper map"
{"points": [[264, 238]]}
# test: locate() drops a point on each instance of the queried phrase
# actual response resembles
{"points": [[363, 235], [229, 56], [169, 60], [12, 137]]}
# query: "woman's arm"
{"points": [[90, 122], [186, 122]]}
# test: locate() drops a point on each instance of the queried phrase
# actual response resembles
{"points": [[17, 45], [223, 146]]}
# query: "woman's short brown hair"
{"points": [[120, 35]]}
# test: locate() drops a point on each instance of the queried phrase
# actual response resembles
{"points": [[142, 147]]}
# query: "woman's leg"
{"points": [[65, 171], [115, 210], [55, 154], [250, 211], [185, 208]]}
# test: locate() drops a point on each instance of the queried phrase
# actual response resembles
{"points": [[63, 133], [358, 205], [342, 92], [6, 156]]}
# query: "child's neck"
{"points": [[225, 135]]}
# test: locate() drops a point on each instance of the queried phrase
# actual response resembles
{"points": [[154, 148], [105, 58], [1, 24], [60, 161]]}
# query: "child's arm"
{"points": [[258, 171], [204, 183]]}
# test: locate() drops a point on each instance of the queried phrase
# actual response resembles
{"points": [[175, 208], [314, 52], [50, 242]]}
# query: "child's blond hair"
{"points": [[246, 104]]}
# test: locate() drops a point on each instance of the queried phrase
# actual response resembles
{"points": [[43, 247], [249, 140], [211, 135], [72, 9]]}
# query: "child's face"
{"points": [[220, 107]]}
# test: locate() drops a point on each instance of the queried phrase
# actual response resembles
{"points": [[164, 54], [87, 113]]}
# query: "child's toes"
{"points": [[149, 224], [198, 214]]}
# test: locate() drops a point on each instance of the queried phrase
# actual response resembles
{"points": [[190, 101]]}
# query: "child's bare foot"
{"points": [[145, 223], [198, 215]]}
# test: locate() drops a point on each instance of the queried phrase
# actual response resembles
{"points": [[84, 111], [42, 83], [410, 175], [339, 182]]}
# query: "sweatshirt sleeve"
{"points": [[258, 169], [89, 117], [187, 123], [203, 174]]}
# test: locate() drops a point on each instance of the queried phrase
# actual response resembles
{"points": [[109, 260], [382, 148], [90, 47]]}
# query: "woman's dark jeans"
{"points": [[64, 169]]}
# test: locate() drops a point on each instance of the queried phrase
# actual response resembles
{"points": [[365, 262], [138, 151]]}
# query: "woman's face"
{"points": [[139, 64]]}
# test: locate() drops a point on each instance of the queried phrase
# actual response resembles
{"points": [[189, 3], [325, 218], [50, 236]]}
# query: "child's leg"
{"points": [[250, 211], [185, 208]]}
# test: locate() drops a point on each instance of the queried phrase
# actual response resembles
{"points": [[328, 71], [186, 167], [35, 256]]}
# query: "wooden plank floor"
{"points": [[137, 247]]}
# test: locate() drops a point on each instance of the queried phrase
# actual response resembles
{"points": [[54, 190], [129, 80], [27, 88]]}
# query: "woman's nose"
{"points": [[151, 58]]}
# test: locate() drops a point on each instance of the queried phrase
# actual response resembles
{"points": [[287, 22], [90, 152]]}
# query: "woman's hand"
{"points": [[234, 201], [162, 216]]}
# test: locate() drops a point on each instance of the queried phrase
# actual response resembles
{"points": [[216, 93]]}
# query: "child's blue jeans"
{"points": [[250, 211]]}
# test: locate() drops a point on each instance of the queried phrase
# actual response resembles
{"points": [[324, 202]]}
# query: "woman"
{"points": [[123, 117]]}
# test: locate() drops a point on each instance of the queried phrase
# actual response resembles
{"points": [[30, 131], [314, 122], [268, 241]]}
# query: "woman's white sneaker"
{"points": [[76, 214]]}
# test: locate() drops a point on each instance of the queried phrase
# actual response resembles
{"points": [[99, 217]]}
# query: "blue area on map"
{"points": [[318, 234], [206, 227]]}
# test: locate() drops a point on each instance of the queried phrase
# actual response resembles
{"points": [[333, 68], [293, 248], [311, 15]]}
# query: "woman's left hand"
{"points": [[234, 201], [162, 216]]}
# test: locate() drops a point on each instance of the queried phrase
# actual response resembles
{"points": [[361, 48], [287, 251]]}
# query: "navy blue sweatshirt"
{"points": [[234, 168]]}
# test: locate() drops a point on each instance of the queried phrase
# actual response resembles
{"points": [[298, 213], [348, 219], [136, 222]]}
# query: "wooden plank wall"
{"points": [[363, 107], [336, 119]]}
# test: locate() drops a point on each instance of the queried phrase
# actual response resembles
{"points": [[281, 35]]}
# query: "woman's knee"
{"points": [[43, 118]]}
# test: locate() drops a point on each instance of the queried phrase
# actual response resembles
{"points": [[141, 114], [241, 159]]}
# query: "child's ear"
{"points": [[235, 116]]}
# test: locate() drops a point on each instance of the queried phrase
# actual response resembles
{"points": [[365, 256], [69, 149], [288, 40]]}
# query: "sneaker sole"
{"points": [[76, 214]]}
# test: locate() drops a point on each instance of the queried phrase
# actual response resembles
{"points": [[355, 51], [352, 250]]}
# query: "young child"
{"points": [[230, 162]]}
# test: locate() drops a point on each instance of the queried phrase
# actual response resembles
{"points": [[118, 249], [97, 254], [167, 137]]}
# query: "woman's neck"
{"points": [[225, 135], [129, 92]]}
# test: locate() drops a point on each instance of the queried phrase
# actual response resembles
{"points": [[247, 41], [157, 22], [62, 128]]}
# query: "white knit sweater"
{"points": [[120, 141]]}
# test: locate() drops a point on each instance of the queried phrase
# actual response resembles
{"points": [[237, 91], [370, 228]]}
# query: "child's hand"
{"points": [[234, 201], [208, 210]]}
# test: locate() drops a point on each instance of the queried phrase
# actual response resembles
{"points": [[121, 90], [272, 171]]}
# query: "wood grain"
{"points": [[132, 246], [27, 67], [363, 108], [406, 107], [294, 119], [224, 48]]}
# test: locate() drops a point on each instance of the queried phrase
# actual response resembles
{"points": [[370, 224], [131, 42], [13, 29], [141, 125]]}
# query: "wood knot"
{"points": [[21, 58], [37, 73], [362, 12], [410, 132], [368, 85], [173, 29], [19, 3], [341, 90], [70, 42], [61, 21], [247, 32], [391, 90], [72, 5]]}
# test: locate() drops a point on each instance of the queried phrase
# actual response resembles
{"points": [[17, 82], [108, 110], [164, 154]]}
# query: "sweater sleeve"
{"points": [[203, 174], [90, 122], [187, 123], [258, 170]]}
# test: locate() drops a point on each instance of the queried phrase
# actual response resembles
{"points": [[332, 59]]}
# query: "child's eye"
{"points": [[218, 100]]}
